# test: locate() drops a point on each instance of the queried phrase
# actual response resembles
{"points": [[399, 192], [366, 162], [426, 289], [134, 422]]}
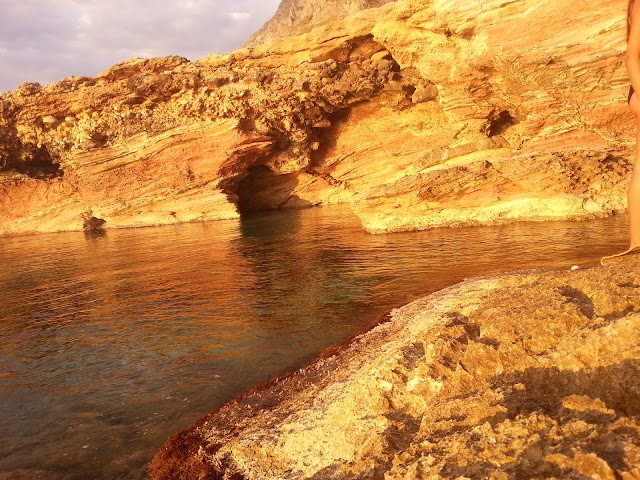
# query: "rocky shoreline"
{"points": [[532, 375], [417, 114]]}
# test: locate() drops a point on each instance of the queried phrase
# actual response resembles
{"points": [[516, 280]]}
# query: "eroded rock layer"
{"points": [[418, 113], [519, 376]]}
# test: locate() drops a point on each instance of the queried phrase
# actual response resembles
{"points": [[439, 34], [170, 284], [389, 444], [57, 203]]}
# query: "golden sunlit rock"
{"points": [[500, 377], [418, 113]]}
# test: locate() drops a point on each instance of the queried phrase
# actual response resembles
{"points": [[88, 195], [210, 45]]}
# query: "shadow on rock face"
{"points": [[554, 423], [28, 159], [262, 189], [618, 386]]}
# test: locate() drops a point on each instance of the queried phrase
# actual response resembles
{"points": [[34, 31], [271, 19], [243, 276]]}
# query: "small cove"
{"points": [[111, 343]]}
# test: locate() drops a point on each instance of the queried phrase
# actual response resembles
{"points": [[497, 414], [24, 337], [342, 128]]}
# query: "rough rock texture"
{"points": [[176, 176], [533, 97], [521, 376], [418, 113], [161, 141]]}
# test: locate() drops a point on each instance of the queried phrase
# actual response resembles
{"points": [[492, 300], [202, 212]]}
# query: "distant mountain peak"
{"points": [[297, 16]]}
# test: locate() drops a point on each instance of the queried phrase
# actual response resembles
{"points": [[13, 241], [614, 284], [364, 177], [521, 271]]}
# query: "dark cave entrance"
{"points": [[35, 162], [263, 189], [498, 123]]}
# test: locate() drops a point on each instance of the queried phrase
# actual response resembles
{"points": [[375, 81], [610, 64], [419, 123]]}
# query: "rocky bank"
{"points": [[417, 113], [530, 375]]}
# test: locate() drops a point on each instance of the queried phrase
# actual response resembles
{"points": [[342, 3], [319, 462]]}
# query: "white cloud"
{"points": [[240, 16], [85, 20], [46, 40]]}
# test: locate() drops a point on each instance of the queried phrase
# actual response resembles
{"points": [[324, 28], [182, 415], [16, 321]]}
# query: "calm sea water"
{"points": [[109, 344]]}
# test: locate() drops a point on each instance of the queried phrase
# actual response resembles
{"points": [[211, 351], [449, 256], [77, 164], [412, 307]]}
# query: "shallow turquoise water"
{"points": [[109, 344]]}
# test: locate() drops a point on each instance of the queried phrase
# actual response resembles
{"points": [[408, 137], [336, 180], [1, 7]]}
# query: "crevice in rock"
{"points": [[499, 122], [614, 317], [328, 178], [578, 298], [40, 166], [327, 138], [472, 330], [409, 90], [28, 159], [546, 387]]}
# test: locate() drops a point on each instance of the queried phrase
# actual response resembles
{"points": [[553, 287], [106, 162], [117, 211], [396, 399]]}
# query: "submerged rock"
{"points": [[91, 223], [514, 376]]}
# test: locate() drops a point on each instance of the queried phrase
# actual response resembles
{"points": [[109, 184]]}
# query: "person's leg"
{"points": [[633, 196]]}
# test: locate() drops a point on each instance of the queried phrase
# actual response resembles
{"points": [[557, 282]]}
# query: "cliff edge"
{"points": [[416, 113], [519, 376]]}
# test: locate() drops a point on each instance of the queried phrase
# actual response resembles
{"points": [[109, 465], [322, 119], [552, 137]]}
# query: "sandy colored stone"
{"points": [[174, 177], [417, 113], [523, 375], [589, 465]]}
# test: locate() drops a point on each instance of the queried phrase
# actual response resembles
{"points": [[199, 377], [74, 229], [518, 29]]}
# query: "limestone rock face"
{"points": [[418, 113], [160, 141], [505, 377], [174, 177], [524, 79]]}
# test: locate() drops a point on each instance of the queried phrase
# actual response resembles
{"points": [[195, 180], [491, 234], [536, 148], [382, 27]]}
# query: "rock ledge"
{"points": [[532, 375]]}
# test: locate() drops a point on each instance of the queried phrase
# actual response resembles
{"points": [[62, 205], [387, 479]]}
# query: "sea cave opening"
{"points": [[263, 189]]}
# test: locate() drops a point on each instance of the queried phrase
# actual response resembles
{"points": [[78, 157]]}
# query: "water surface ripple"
{"points": [[111, 343]]}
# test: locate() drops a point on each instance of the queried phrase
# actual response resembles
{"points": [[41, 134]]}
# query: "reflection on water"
{"points": [[109, 344]]}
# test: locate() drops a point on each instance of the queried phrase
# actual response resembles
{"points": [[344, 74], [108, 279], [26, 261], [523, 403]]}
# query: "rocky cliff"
{"points": [[508, 377], [417, 113]]}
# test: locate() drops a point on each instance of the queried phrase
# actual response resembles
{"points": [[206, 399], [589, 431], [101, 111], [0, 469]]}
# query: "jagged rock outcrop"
{"points": [[160, 141], [505, 377], [417, 113]]}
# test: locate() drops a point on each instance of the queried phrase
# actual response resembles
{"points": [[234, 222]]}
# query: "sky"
{"points": [[46, 40]]}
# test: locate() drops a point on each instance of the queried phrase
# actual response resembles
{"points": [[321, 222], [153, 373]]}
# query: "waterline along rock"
{"points": [[416, 113]]}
